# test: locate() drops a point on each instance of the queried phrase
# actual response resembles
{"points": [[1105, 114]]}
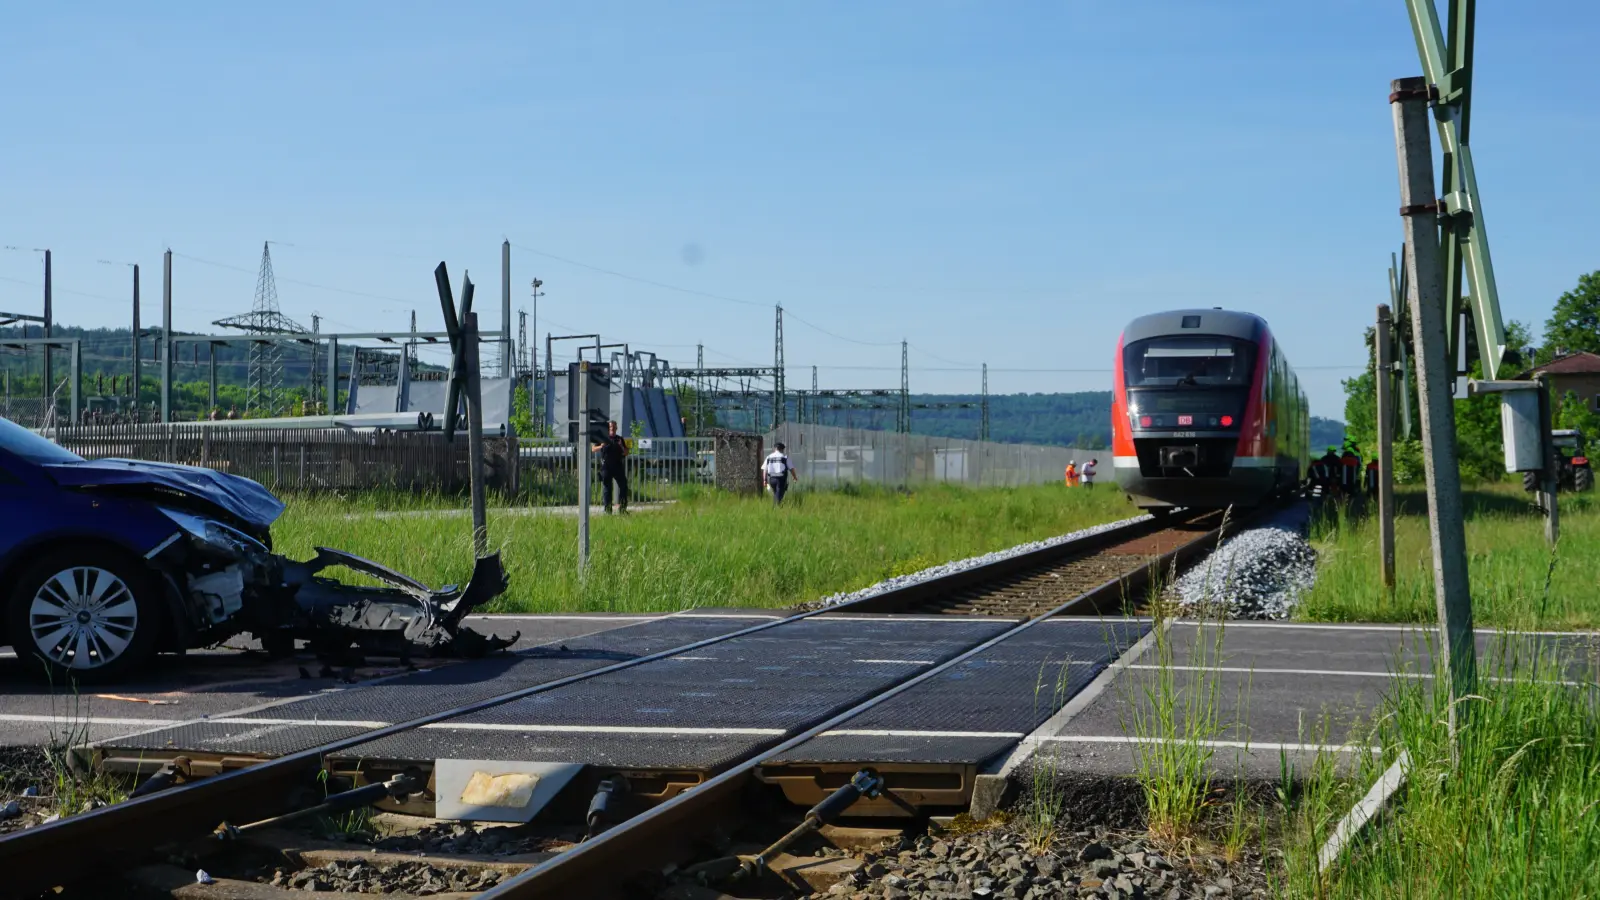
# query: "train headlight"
{"points": [[1144, 421], [1227, 421]]}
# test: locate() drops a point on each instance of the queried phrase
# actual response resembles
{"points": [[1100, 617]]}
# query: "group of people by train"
{"points": [[1081, 476], [1339, 474]]}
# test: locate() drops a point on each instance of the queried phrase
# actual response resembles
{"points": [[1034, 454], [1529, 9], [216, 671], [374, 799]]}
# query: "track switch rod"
{"points": [[865, 783], [603, 794], [397, 787], [176, 771]]}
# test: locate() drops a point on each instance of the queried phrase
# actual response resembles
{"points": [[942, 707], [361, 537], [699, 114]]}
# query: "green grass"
{"points": [[1509, 562], [707, 549], [1518, 816]]}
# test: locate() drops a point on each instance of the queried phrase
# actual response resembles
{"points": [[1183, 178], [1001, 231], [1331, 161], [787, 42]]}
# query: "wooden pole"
{"points": [[1385, 378], [1429, 319], [1549, 479], [480, 525]]}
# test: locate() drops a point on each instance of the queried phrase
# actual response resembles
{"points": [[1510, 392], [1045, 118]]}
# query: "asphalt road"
{"points": [[1284, 691], [235, 676]]}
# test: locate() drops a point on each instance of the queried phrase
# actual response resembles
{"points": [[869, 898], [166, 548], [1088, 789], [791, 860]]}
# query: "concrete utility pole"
{"points": [[166, 336], [49, 317], [1419, 210], [505, 309], [983, 423], [580, 447], [136, 335], [779, 401], [1384, 373]]}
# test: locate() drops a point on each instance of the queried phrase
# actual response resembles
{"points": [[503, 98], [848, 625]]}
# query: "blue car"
{"points": [[104, 563]]}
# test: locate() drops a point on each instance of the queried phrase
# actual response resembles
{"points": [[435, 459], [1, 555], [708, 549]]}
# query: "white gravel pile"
{"points": [[1259, 573], [900, 581]]}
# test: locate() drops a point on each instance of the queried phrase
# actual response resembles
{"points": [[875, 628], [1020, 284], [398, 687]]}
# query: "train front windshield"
{"points": [[1188, 361]]}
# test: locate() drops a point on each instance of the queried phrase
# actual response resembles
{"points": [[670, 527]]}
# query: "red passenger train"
{"points": [[1206, 412]]}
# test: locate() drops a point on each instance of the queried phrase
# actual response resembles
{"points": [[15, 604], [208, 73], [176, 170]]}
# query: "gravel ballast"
{"points": [[900, 581], [1090, 863], [354, 876], [1259, 573]]}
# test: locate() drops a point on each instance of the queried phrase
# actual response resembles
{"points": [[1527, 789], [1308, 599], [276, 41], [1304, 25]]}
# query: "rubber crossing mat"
{"points": [[701, 710], [295, 725], [983, 706]]}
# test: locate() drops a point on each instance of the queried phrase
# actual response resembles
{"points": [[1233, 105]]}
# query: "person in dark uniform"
{"points": [[613, 450]]}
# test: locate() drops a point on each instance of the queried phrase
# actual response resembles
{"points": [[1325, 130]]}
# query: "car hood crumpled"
{"points": [[239, 497]]}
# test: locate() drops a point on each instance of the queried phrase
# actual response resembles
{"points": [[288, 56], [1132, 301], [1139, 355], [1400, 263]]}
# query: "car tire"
{"points": [[92, 602]]}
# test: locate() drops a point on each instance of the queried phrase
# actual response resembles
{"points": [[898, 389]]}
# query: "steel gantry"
{"points": [[1464, 241]]}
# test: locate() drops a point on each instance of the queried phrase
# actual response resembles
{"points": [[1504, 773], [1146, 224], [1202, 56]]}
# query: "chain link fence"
{"points": [[826, 456]]}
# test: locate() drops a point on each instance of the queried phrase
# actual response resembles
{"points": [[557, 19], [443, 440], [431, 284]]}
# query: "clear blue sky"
{"points": [[1006, 182]]}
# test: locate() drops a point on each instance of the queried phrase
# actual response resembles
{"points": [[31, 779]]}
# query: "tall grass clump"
{"points": [[708, 549], [1505, 543], [1039, 817], [1517, 816], [1174, 715]]}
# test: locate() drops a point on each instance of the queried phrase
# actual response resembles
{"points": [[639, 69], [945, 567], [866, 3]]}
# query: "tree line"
{"points": [[1573, 325]]}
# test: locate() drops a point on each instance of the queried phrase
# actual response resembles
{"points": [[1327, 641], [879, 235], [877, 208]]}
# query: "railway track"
{"points": [[1000, 618]]}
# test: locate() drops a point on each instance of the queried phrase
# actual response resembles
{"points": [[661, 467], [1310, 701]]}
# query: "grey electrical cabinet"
{"points": [[1519, 426], [599, 401]]}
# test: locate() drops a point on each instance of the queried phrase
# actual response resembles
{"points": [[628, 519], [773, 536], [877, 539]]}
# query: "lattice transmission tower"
{"points": [[265, 393]]}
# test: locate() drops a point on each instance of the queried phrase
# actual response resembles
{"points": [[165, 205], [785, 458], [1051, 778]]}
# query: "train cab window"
{"points": [[1188, 360]]}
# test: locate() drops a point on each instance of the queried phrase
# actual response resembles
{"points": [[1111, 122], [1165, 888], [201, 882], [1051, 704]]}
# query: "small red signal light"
{"points": [[1227, 421], [1144, 421]]}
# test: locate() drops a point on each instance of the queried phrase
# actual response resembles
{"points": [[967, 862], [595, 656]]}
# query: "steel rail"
{"points": [[50, 855], [603, 866]]}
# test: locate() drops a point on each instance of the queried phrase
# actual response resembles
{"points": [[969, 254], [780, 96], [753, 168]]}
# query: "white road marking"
{"points": [[338, 723], [1418, 627], [601, 729], [1335, 673], [1241, 745], [909, 662], [858, 618], [85, 720], [872, 732], [518, 617], [1259, 671]]}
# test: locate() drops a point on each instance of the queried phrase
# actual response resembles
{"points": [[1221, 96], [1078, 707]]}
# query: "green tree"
{"points": [[1574, 413], [1479, 441], [1575, 323], [522, 412]]}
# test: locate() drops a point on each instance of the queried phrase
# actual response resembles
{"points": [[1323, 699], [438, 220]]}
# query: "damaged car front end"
{"points": [[233, 582], [106, 562]]}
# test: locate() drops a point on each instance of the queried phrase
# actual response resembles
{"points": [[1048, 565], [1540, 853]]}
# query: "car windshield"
{"points": [[20, 441], [1198, 360]]}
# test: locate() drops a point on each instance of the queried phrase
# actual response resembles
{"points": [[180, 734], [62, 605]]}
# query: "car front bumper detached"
{"points": [[401, 617]]}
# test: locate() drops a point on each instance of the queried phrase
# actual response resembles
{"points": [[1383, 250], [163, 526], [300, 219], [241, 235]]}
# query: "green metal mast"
{"points": [[1447, 65]]}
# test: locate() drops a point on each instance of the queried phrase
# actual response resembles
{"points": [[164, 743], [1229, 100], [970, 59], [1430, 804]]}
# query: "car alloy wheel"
{"points": [[83, 618]]}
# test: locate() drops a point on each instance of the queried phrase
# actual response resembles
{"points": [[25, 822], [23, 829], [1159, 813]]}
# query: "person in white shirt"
{"points": [[776, 472], [1087, 472]]}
